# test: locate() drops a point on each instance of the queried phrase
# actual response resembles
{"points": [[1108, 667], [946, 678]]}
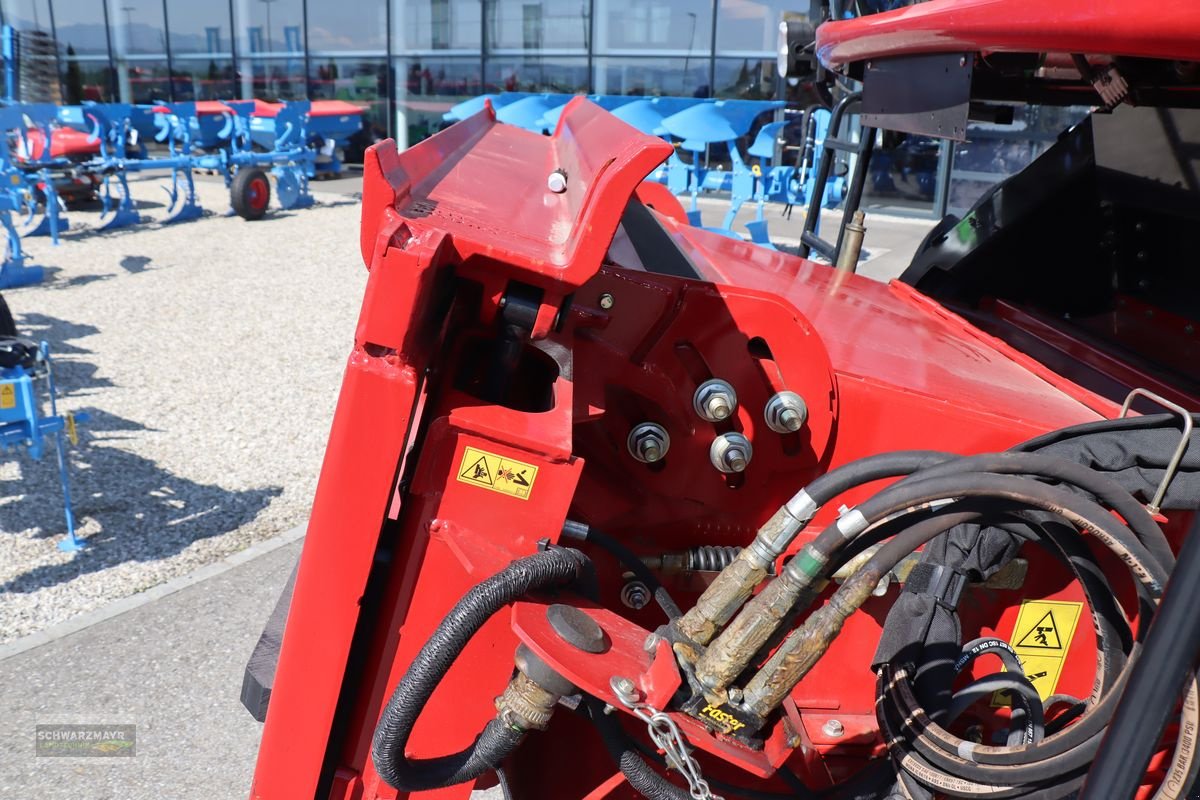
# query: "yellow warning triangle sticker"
{"points": [[477, 472], [1043, 635]]}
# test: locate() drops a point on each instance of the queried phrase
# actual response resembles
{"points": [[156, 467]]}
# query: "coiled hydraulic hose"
{"points": [[552, 568], [1170, 653]]}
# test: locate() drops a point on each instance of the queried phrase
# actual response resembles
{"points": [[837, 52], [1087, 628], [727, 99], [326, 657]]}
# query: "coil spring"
{"points": [[711, 558]]}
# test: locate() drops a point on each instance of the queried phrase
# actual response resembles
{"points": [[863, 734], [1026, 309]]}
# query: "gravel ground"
{"points": [[209, 355]]}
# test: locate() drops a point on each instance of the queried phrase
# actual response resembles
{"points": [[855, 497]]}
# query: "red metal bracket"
{"points": [[484, 184]]}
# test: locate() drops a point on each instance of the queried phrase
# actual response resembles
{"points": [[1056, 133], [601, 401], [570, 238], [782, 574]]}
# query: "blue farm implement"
{"points": [[24, 365]]}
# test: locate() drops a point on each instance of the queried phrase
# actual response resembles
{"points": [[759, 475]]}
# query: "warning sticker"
{"points": [[1041, 638], [8, 395], [498, 473]]}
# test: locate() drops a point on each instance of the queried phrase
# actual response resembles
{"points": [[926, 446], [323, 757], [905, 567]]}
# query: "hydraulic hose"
{"points": [[552, 568], [1170, 653], [581, 532], [633, 766], [734, 585]]}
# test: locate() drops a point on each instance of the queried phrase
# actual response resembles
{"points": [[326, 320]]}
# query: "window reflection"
{"points": [[334, 26], [144, 81], [678, 77], [537, 24], [273, 79], [80, 27], [681, 26], [426, 88], [750, 25], [137, 27], [28, 15], [360, 81], [430, 25], [269, 27], [746, 78], [86, 80], [536, 74], [197, 27], [204, 79]]}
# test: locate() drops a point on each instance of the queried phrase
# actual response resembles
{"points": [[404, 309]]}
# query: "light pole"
{"points": [[691, 42], [267, 3]]}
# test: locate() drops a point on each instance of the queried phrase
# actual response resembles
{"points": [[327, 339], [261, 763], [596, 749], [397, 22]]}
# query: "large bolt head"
{"points": [[785, 412], [730, 452], [648, 442], [714, 400]]}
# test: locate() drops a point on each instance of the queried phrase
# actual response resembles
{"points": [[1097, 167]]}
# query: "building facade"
{"points": [[406, 61]]}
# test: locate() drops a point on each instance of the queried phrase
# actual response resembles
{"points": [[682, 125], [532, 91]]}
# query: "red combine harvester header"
{"points": [[615, 507]]}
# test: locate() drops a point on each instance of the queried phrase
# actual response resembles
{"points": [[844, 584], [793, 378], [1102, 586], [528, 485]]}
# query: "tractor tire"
{"points": [[8, 328], [250, 193]]}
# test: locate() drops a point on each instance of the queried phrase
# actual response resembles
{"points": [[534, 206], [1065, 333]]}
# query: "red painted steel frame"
{"points": [[449, 227], [1168, 29]]}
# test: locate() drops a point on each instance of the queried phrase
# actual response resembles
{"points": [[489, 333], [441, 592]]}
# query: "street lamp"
{"points": [[267, 3]]}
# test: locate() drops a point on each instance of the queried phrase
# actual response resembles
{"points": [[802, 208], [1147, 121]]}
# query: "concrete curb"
{"points": [[118, 607]]}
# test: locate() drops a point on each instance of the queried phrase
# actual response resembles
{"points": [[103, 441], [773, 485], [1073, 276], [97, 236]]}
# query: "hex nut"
{"points": [[730, 452], [648, 442], [785, 412], [714, 400]]}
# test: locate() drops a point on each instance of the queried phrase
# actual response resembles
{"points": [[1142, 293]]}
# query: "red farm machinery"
{"points": [[616, 507]]}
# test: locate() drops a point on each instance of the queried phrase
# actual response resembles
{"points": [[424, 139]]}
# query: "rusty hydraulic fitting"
{"points": [[734, 585], [804, 647], [525, 705], [730, 653], [529, 699]]}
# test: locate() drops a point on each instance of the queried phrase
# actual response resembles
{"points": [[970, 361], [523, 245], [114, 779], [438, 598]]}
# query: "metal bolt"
{"points": [[730, 452], [625, 689], [833, 729], [635, 595], [557, 181], [785, 412], [735, 695], [714, 400], [651, 643], [962, 61], [606, 301], [648, 442], [1189, 328]]}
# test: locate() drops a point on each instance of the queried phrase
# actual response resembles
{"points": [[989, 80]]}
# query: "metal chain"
{"points": [[668, 738]]}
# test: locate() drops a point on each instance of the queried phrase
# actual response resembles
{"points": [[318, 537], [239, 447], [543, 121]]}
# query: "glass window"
{"points": [[537, 74], [197, 27], [86, 80], [361, 81], [80, 27], [331, 28], [270, 26], [681, 26], [750, 25], [746, 78], [537, 24], [204, 79], [903, 171], [432, 25], [137, 27], [426, 88], [676, 77], [28, 15], [143, 81], [273, 78]]}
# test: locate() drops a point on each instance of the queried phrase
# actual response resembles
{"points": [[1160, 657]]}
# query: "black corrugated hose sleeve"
{"points": [[641, 776], [1171, 648], [553, 568]]}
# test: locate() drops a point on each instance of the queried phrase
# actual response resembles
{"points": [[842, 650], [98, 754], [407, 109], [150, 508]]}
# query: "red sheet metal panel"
{"points": [[1167, 29]]}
